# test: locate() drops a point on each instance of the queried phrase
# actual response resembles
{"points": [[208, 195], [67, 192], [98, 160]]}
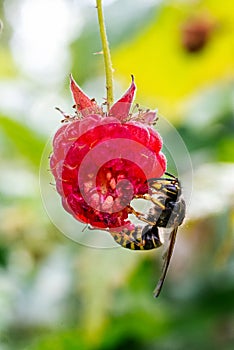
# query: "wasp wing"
{"points": [[167, 259]]}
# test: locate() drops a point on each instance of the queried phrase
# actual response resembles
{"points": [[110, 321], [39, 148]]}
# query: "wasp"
{"points": [[167, 212]]}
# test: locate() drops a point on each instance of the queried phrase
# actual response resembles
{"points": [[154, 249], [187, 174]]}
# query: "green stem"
{"points": [[106, 54]]}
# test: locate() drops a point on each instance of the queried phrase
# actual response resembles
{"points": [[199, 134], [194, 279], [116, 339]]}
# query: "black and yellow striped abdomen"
{"points": [[138, 239]]}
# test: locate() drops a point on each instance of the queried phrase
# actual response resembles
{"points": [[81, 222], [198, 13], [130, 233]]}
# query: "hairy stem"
{"points": [[106, 54]]}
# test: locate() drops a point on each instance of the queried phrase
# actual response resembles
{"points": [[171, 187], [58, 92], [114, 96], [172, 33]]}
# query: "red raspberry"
{"points": [[101, 161]]}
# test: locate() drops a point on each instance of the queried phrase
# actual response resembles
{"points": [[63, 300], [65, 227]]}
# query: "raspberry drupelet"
{"points": [[102, 160]]}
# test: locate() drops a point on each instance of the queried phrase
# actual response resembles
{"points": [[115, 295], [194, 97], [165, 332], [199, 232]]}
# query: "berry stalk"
{"points": [[106, 55]]}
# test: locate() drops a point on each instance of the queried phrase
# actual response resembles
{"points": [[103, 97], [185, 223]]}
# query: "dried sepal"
{"points": [[121, 108], [83, 103]]}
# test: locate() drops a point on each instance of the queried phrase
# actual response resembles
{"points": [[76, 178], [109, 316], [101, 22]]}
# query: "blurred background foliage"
{"points": [[57, 294]]}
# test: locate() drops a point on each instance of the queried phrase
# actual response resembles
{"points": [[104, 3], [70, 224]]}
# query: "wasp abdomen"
{"points": [[146, 238]]}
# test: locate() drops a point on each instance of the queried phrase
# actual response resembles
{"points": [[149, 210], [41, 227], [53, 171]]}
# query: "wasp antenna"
{"points": [[168, 174]]}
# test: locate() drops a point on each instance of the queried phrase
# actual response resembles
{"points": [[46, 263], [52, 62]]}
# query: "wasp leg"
{"points": [[140, 216], [164, 190], [153, 200]]}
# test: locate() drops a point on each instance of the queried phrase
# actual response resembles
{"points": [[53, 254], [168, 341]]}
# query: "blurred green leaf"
{"points": [[63, 340], [225, 151], [215, 137], [4, 253], [26, 142]]}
